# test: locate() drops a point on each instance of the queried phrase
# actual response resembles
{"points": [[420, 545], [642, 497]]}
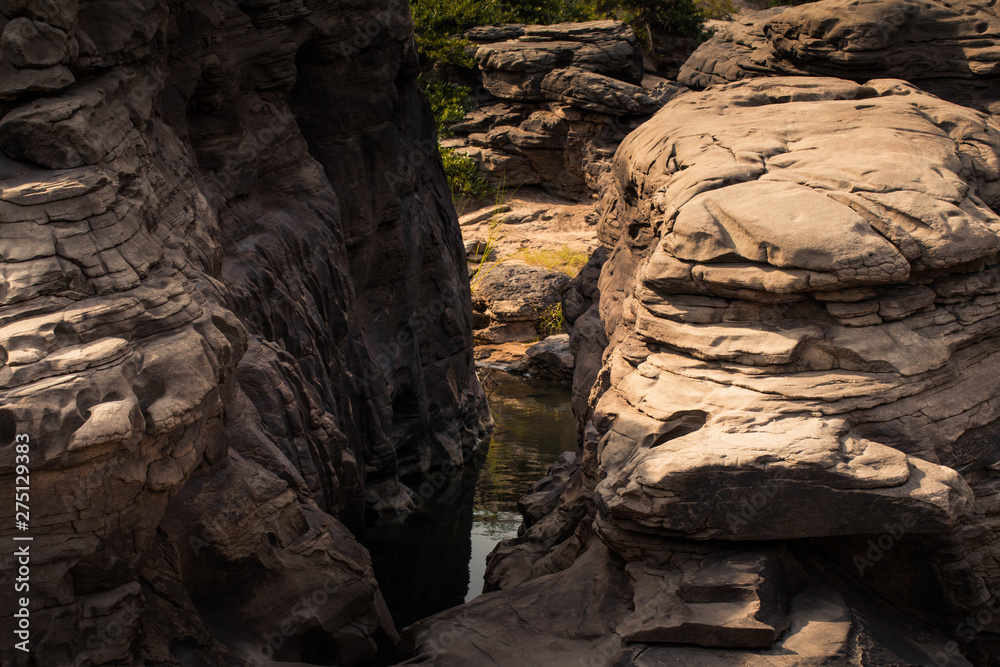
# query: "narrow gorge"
{"points": [[238, 338]]}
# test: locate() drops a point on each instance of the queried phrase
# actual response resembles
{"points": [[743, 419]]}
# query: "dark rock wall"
{"points": [[233, 310]]}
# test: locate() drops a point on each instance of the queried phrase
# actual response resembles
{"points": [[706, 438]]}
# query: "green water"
{"points": [[437, 558]]}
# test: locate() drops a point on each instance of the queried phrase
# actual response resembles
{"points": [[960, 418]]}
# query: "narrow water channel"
{"points": [[437, 558]]}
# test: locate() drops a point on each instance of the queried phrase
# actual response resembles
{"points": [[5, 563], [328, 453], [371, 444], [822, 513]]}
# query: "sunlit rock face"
{"points": [[949, 49], [562, 97], [797, 405], [811, 308], [233, 308]]}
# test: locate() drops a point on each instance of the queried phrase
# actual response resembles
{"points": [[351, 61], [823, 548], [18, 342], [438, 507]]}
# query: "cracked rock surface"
{"points": [[949, 49], [789, 449], [234, 315]]}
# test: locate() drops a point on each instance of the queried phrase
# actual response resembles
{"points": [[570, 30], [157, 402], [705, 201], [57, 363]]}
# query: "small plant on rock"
{"points": [[493, 237], [449, 103], [551, 322]]}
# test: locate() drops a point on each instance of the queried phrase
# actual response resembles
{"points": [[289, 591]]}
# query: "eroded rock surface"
{"points": [[563, 97], [950, 49], [509, 299], [233, 311], [789, 453]]}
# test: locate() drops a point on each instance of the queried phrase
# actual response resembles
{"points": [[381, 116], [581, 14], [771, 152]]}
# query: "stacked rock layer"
{"points": [[233, 308], [562, 97], [789, 454], [950, 49]]}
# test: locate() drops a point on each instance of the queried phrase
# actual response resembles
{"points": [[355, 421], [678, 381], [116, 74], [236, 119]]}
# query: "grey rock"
{"points": [[479, 251], [564, 95], [494, 33], [948, 49], [515, 69], [234, 315], [514, 297], [550, 359], [597, 92], [15, 82], [532, 285], [27, 43], [792, 348]]}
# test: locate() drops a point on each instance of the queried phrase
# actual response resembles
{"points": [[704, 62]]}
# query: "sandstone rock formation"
{"points": [[549, 359], [563, 97], [950, 49], [510, 298], [233, 311], [789, 453]]}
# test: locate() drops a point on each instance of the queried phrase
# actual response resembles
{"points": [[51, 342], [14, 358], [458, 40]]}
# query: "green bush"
{"points": [[437, 22], [464, 177], [684, 18], [448, 102]]}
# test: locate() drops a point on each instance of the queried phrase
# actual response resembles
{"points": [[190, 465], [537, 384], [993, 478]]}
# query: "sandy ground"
{"points": [[528, 219], [532, 219]]}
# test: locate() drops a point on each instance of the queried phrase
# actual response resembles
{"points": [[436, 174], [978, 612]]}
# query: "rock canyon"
{"points": [[236, 326]]}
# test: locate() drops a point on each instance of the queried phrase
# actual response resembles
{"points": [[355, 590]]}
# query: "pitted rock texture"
{"points": [[233, 312], [950, 49], [562, 98], [789, 454]]}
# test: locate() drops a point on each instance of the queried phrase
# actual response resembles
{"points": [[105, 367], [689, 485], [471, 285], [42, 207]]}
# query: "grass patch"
{"points": [[495, 234], [551, 322], [565, 259]]}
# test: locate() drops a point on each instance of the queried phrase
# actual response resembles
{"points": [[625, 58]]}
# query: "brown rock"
{"points": [[227, 329], [948, 49], [564, 96], [801, 347]]}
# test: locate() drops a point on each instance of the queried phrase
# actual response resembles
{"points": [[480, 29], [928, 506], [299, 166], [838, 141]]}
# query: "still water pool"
{"points": [[437, 558]]}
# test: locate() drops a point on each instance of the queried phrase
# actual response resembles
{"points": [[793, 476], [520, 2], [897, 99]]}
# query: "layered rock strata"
{"points": [[789, 453], [561, 99], [949, 49], [509, 300], [233, 308]]}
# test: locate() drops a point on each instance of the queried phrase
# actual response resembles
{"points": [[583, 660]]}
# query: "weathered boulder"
{"points": [[597, 92], [549, 359], [790, 448], [512, 298], [234, 316], [36, 44], [564, 96], [951, 49]]}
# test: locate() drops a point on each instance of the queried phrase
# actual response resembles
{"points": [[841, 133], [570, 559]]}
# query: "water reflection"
{"points": [[437, 558]]}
